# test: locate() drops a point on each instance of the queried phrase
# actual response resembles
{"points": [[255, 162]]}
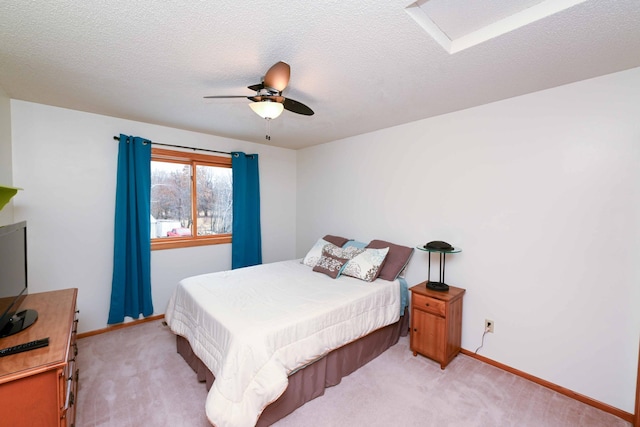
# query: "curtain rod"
{"points": [[182, 146]]}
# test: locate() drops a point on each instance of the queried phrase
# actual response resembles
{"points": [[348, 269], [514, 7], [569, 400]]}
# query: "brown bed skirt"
{"points": [[310, 382]]}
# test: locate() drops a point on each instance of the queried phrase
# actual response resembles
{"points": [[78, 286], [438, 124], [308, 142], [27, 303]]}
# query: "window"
{"points": [[185, 186]]}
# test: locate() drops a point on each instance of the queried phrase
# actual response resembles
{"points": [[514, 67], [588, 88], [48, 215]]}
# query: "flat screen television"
{"points": [[13, 280]]}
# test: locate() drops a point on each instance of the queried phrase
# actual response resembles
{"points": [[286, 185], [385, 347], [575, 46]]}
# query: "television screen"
{"points": [[13, 279]]}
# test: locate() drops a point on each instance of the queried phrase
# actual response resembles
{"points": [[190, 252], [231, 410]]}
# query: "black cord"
{"points": [[482, 343]]}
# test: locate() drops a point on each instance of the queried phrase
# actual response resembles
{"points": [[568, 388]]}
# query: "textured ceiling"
{"points": [[361, 66]]}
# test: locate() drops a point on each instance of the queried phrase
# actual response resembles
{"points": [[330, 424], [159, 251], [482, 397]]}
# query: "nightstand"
{"points": [[436, 323]]}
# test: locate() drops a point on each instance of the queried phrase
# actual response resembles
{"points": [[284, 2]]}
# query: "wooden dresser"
{"points": [[39, 387], [436, 323]]}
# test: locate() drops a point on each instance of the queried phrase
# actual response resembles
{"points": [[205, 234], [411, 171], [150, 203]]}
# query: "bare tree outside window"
{"points": [[170, 198], [214, 200]]}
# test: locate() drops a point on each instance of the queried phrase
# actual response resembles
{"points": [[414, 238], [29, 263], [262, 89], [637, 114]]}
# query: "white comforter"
{"points": [[253, 326]]}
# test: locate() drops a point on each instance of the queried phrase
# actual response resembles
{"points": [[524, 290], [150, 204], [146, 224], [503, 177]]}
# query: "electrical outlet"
{"points": [[488, 325]]}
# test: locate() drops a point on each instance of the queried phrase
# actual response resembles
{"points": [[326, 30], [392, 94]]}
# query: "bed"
{"points": [[269, 338]]}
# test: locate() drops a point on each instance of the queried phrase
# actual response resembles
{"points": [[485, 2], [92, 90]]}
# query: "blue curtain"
{"points": [[131, 283], [246, 246]]}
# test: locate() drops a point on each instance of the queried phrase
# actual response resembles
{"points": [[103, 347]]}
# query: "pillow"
{"points": [[336, 240], [329, 263], [355, 244], [314, 254], [366, 265], [348, 252], [396, 261]]}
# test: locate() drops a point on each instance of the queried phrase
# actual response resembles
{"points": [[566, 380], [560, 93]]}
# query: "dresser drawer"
{"points": [[429, 304]]}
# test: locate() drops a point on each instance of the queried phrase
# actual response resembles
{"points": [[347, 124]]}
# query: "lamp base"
{"points": [[437, 286]]}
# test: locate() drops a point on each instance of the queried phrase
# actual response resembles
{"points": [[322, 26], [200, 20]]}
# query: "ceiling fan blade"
{"points": [[297, 107], [227, 96], [277, 76]]}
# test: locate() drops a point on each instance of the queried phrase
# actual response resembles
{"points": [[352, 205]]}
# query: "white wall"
{"points": [[541, 192], [6, 213], [66, 162]]}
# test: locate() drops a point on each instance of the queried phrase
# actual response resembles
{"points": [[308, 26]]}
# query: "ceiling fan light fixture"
{"points": [[267, 109]]}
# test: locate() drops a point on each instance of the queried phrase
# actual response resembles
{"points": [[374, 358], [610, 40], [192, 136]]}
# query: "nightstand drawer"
{"points": [[431, 305]]}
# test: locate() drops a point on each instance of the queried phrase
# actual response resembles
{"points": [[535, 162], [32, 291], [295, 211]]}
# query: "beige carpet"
{"points": [[134, 377]]}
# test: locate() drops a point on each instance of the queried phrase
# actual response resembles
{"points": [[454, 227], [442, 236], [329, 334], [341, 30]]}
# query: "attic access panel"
{"points": [[460, 24]]}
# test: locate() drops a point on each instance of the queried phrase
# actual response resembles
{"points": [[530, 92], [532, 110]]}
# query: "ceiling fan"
{"points": [[268, 101]]}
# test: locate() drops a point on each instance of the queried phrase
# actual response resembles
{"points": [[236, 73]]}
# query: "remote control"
{"points": [[24, 347]]}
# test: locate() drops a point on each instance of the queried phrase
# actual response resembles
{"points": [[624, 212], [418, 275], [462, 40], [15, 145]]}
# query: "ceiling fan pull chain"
{"points": [[268, 135]]}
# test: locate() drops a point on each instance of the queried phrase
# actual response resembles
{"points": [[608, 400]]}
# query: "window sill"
{"points": [[181, 242]]}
